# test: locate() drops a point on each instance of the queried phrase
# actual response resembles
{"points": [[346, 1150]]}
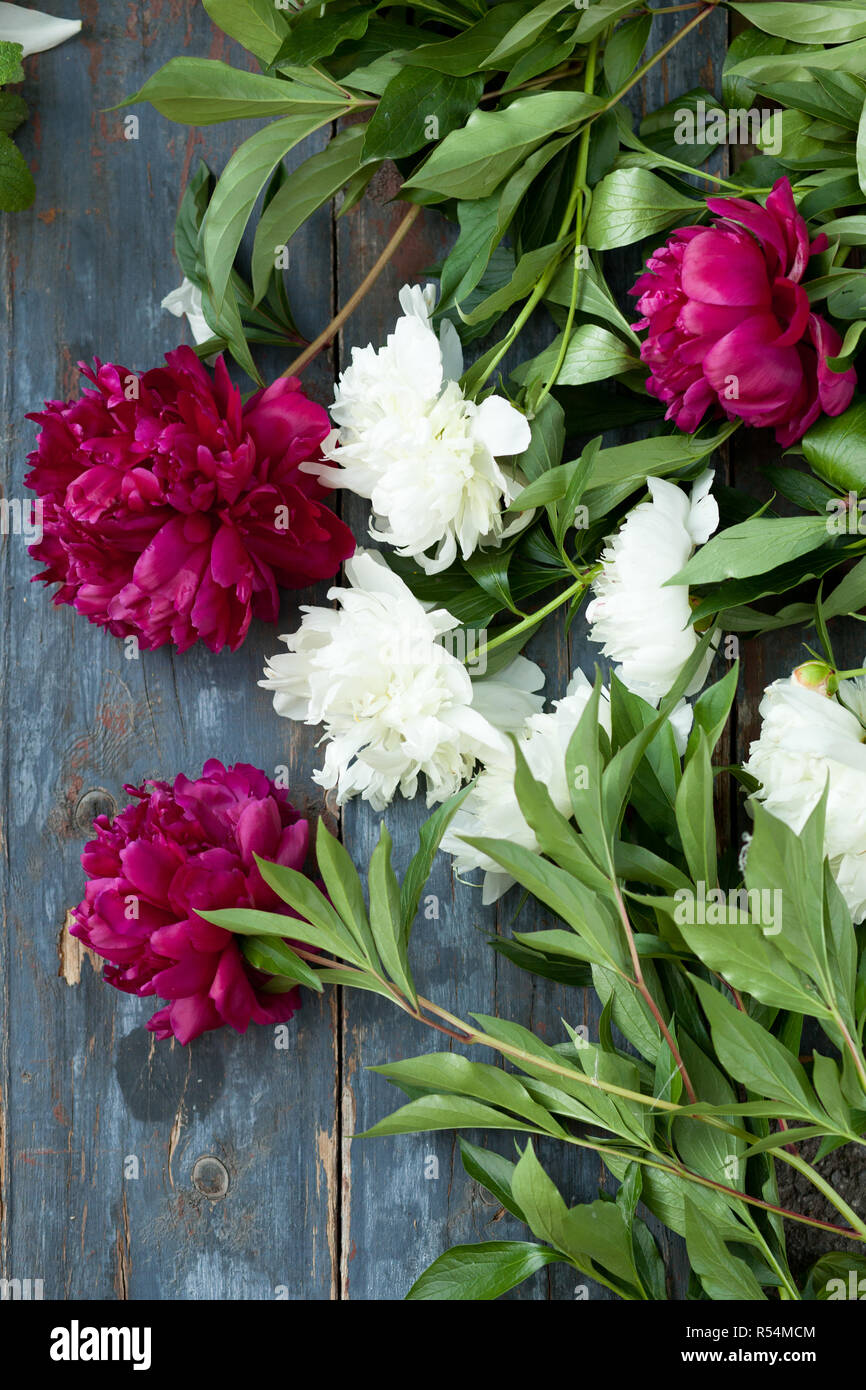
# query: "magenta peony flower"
{"points": [[730, 325], [175, 850], [174, 513]]}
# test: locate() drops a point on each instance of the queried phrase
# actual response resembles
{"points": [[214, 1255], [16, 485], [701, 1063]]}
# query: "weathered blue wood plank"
{"points": [[85, 1087]]}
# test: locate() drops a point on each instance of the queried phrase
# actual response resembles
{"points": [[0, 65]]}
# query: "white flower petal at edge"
{"points": [[643, 625], [35, 31], [423, 455], [807, 737], [491, 808], [393, 700], [186, 300]]}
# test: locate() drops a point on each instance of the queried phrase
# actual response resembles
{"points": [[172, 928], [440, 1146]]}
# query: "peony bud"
{"points": [[817, 676]]}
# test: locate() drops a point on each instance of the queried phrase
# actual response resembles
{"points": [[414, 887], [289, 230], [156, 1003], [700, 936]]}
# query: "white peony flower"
{"points": [[35, 31], [394, 701], [807, 737], [425, 457], [491, 808], [644, 625], [186, 300]]}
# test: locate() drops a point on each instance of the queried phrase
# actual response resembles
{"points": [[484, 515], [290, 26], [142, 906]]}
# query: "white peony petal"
{"points": [[501, 428], [704, 509], [377, 671], [186, 300], [35, 31], [809, 743], [640, 620], [452, 351]]}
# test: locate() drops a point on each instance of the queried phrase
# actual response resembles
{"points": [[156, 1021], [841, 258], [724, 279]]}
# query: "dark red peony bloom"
{"points": [[730, 325], [174, 850], [173, 512]]}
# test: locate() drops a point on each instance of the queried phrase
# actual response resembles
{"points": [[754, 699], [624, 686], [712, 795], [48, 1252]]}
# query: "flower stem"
{"points": [[541, 287], [645, 992], [328, 334], [577, 208], [533, 619], [469, 1035]]}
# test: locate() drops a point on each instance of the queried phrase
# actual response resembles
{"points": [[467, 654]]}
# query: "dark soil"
{"points": [[845, 1171]]}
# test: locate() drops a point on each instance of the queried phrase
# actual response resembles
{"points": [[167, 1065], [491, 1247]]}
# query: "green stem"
{"points": [[464, 1033], [577, 208], [541, 288], [535, 618]]}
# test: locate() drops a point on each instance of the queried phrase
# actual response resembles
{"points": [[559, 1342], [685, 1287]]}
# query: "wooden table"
{"points": [[136, 1169]]}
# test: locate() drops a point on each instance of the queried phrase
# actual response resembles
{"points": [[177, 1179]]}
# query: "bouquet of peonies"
{"points": [[176, 509]]}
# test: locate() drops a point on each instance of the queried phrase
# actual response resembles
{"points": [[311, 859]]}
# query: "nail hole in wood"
{"points": [[96, 802], [210, 1176]]}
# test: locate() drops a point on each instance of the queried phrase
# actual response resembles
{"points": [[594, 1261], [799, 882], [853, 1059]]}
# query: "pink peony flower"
{"points": [[174, 513], [175, 850], [730, 325]]}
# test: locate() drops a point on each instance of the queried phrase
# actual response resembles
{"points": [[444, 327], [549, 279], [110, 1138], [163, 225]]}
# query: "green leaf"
{"points": [[556, 836], [847, 351], [202, 91], [712, 708], [724, 1276], [317, 31], [630, 204], [624, 48], [624, 468], [563, 971], [344, 888], [591, 1234], [13, 111], [599, 16], [840, 1270], [274, 957], [17, 189], [564, 894], [494, 1173], [442, 1112], [259, 25], [812, 23], [240, 184], [301, 894], [861, 151], [10, 62], [694, 813], [412, 102], [593, 354], [385, 916], [472, 162], [751, 962], [850, 231], [767, 67], [527, 273], [465, 53], [420, 865], [449, 1071], [187, 226], [826, 1080], [835, 446], [317, 180], [481, 1272], [754, 547], [526, 30], [547, 440], [751, 1053], [593, 296]]}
